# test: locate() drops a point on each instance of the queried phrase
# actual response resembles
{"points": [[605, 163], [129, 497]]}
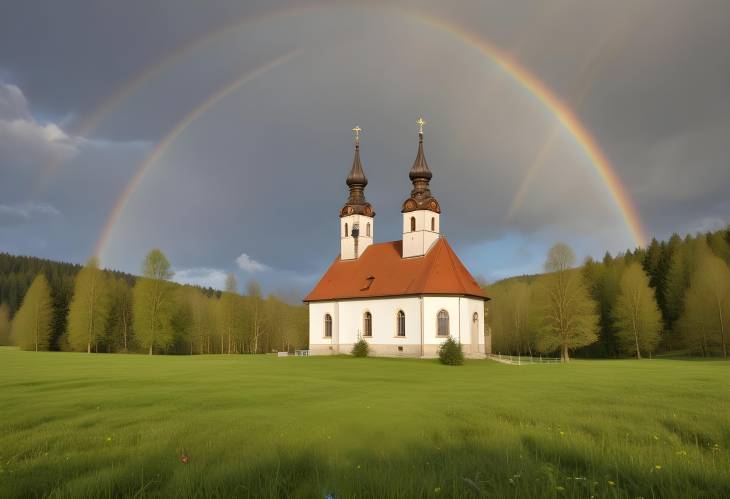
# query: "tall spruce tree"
{"points": [[153, 303], [637, 314], [89, 308], [31, 326]]}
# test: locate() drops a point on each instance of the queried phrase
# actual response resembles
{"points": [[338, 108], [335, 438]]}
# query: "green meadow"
{"points": [[87, 425]]}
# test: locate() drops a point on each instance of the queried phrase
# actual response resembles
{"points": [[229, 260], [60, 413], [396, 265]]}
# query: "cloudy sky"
{"points": [[221, 130]]}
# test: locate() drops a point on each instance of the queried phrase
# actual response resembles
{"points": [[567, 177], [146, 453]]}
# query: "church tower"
{"points": [[356, 217], [421, 211]]}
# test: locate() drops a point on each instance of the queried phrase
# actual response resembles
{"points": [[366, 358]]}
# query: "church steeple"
{"points": [[356, 182], [420, 175], [356, 216], [421, 211]]}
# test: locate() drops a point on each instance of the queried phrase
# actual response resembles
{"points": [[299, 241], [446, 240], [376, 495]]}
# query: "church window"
{"points": [[367, 324], [413, 224], [401, 323], [327, 326], [367, 230], [346, 231], [443, 323], [433, 224]]}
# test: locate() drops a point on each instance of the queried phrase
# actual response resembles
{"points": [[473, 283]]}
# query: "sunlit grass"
{"points": [[79, 425]]}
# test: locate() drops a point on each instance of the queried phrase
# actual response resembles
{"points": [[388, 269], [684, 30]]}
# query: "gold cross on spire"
{"points": [[420, 123], [357, 131]]}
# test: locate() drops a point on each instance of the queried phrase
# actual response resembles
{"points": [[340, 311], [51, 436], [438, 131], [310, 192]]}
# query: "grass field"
{"points": [[80, 425]]}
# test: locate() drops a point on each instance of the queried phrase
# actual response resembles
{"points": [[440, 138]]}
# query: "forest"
{"points": [[47, 305], [672, 298]]}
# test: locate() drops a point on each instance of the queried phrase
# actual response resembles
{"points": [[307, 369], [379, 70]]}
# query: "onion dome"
{"points": [[356, 181], [420, 175]]}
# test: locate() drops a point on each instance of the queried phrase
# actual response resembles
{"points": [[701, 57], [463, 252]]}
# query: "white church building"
{"points": [[403, 297]]}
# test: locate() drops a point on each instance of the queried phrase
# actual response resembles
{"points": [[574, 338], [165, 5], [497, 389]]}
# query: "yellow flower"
{"points": [[562, 433], [657, 466], [108, 439], [611, 483]]}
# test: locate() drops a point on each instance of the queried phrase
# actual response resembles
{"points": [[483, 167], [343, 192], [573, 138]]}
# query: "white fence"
{"points": [[519, 360]]}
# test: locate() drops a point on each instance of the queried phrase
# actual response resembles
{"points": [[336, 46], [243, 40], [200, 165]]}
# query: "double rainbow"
{"points": [[521, 75]]}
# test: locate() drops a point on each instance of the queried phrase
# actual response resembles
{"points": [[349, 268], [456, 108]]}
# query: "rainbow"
{"points": [[162, 146], [521, 75]]}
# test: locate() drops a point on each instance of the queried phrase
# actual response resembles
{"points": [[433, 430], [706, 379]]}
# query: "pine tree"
{"points": [[636, 312], [153, 303], [31, 326], [676, 288], [89, 308]]}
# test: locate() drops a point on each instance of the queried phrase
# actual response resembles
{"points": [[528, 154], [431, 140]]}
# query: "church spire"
{"points": [[356, 182], [420, 175]]}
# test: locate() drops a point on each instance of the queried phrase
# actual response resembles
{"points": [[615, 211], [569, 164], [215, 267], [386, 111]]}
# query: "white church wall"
{"points": [[384, 320], [348, 323], [318, 343]]}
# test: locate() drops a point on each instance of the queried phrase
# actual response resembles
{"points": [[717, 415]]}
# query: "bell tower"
{"points": [[356, 216], [421, 211]]}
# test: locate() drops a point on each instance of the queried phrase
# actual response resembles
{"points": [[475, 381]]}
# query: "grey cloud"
{"points": [[265, 169], [24, 213]]}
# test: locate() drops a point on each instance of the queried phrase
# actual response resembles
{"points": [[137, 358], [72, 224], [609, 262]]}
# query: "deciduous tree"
{"points": [[153, 303], [4, 324], [31, 327], [89, 307], [636, 312], [569, 313]]}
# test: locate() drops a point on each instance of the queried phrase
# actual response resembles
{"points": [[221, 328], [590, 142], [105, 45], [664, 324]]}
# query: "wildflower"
{"points": [[437, 490], [185, 459], [656, 437], [108, 439], [559, 488], [611, 483], [358, 466], [657, 466], [562, 433]]}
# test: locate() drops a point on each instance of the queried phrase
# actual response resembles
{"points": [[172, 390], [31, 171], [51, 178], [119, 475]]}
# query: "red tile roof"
{"points": [[380, 271]]}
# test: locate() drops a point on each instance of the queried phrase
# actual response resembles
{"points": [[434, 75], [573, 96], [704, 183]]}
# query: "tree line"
{"points": [[673, 296], [55, 306]]}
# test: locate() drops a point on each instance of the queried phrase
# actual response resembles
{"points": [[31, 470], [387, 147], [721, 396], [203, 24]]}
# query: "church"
{"points": [[406, 297]]}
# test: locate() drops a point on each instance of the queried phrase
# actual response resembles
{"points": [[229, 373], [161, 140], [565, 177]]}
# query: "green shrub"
{"points": [[361, 349], [450, 353]]}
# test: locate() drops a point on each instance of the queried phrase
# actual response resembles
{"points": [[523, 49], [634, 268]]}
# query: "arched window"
{"points": [[401, 323], [433, 224], [413, 224], [367, 324], [367, 230], [475, 317], [443, 323], [346, 231], [327, 325]]}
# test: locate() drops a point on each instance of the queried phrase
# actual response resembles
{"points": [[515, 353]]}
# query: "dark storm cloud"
{"points": [[262, 174]]}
